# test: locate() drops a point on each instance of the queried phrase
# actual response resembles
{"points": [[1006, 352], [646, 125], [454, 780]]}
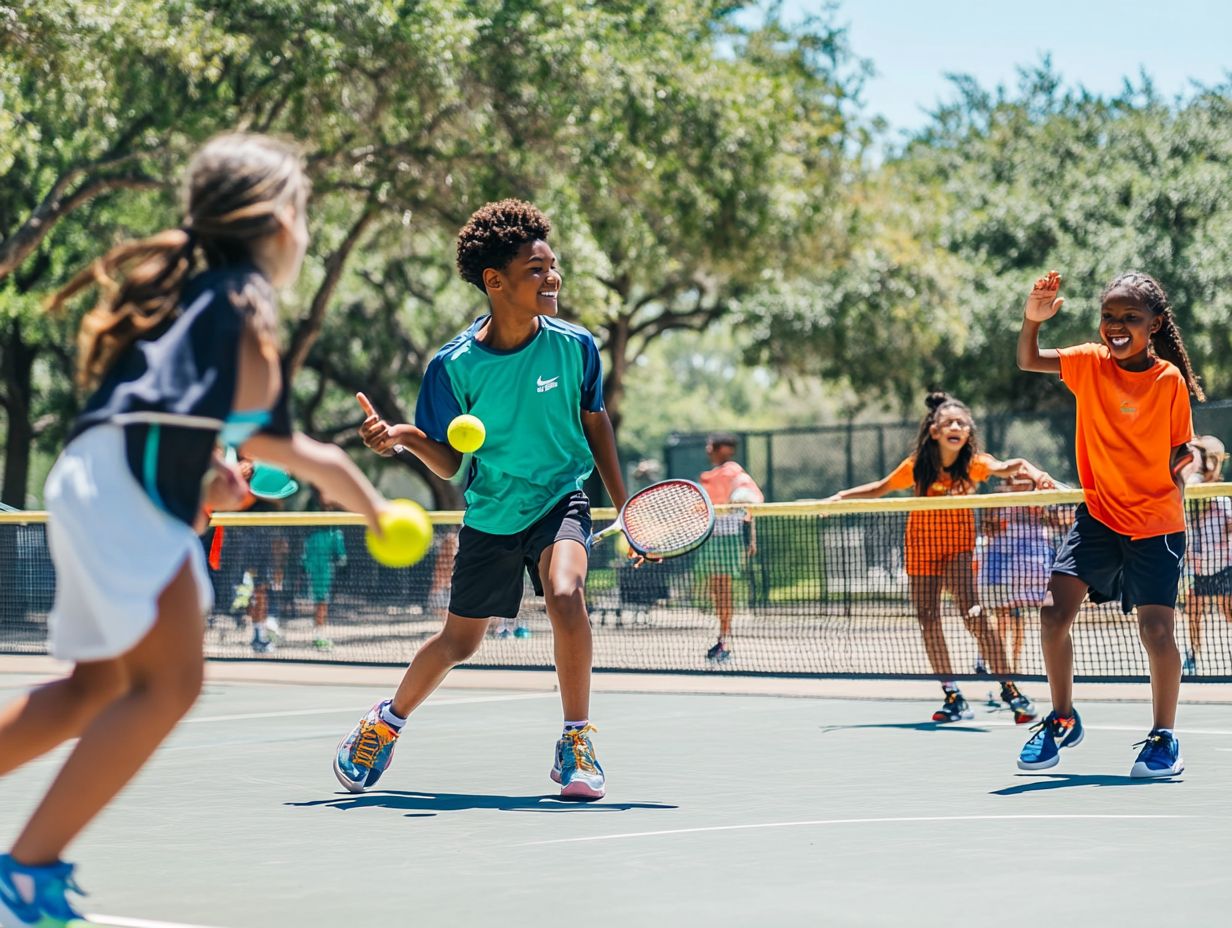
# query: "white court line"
{"points": [[841, 821], [290, 713], [118, 922]]}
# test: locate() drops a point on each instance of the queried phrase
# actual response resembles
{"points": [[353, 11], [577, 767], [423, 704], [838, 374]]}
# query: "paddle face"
{"points": [[668, 519]]}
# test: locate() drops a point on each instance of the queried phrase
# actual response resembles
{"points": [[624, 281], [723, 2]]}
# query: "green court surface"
{"points": [[721, 810]]}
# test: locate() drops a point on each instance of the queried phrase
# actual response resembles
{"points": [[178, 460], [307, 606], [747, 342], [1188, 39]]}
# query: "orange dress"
{"points": [[933, 538]]}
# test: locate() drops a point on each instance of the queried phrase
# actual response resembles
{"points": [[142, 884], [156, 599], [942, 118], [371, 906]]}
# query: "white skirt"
{"points": [[114, 551]]}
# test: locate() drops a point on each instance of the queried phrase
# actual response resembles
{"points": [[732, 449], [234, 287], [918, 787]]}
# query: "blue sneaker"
{"points": [[35, 896], [1160, 756], [576, 769], [521, 632], [365, 753], [1052, 734], [1190, 665]]}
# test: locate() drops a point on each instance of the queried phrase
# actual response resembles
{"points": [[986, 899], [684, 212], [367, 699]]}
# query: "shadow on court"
{"points": [[423, 804], [1034, 782], [910, 726]]}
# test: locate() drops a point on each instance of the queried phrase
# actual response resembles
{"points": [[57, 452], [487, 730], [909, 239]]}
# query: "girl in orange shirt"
{"points": [[940, 544], [1128, 538]]}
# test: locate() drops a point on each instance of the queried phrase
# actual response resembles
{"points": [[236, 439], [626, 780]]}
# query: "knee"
{"points": [[1053, 620], [1156, 633], [566, 601], [96, 687], [459, 645]]}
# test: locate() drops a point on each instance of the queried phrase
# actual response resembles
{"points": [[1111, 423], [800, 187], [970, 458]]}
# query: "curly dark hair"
{"points": [[493, 235]]}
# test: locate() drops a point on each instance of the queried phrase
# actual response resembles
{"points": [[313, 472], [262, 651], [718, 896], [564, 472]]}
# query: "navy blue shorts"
{"points": [[1141, 572], [488, 569], [1219, 584]]}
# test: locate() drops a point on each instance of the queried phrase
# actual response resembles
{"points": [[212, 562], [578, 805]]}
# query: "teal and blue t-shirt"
{"points": [[530, 401]]}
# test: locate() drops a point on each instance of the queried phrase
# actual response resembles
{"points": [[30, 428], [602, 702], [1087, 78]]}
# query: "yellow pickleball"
{"points": [[466, 433], [407, 535]]}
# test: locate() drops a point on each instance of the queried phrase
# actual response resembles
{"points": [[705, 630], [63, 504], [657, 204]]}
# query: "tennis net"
{"points": [[816, 588]]}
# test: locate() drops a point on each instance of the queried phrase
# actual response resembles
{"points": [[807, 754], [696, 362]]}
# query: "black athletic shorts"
{"points": [[1218, 584], [488, 569], [1141, 572]]}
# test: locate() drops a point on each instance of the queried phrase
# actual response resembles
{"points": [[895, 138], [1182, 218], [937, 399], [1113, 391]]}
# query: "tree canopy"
{"points": [[706, 166]]}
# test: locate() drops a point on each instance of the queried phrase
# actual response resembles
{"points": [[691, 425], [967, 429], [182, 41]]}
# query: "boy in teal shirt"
{"points": [[537, 385]]}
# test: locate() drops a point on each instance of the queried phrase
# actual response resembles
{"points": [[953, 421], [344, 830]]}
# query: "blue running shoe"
{"points": [[1160, 756], [1190, 666], [1052, 734], [365, 753], [576, 769], [35, 896]]}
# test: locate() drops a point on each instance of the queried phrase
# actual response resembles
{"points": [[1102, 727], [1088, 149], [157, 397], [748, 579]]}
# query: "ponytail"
{"points": [[139, 286], [1169, 346], [239, 186]]}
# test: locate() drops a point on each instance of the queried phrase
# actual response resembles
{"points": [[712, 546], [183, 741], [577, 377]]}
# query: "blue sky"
{"points": [[1095, 43]]}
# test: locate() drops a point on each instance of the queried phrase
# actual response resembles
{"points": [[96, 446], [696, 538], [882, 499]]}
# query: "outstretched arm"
{"points": [[386, 439], [326, 466], [874, 490], [1042, 305], [1016, 469]]}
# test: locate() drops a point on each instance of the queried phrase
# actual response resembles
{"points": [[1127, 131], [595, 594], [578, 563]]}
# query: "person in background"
{"points": [[1209, 529], [940, 544], [724, 558], [324, 553]]}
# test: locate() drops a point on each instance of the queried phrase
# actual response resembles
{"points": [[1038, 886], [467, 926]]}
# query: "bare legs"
{"points": [[958, 578], [720, 588], [130, 706], [562, 567]]}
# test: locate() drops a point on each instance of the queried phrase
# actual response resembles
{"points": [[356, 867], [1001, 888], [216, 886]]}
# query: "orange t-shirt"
{"points": [[980, 469], [935, 536], [723, 480], [1127, 425]]}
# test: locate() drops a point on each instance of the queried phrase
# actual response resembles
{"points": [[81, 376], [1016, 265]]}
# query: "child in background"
{"points": [[324, 552], [724, 558], [940, 544], [1015, 566], [1209, 550]]}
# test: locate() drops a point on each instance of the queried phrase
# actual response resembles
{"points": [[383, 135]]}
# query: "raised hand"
{"points": [[374, 430], [1043, 302]]}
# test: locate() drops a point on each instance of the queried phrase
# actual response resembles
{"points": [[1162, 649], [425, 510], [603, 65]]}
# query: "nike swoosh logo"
{"points": [[543, 383]]}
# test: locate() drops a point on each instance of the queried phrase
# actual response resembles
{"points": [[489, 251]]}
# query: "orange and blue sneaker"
{"points": [[1160, 755], [365, 753], [954, 709], [1043, 750], [35, 896], [576, 769], [1022, 707]]}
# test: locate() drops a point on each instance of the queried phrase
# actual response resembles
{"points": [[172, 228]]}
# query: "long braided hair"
{"points": [[1166, 342], [927, 454], [238, 185]]}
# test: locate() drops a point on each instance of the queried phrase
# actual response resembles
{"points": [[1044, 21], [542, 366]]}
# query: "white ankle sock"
{"points": [[390, 718]]}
